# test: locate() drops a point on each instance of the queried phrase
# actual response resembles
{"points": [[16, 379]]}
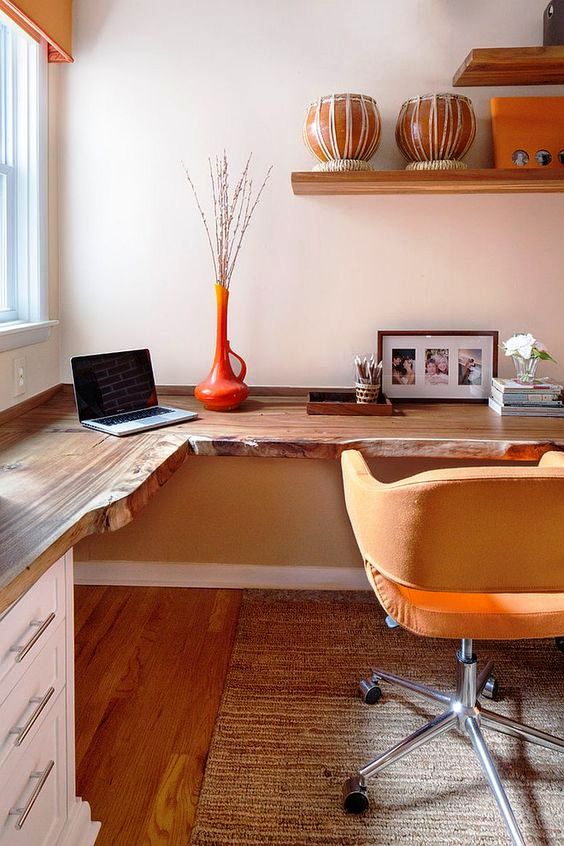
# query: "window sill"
{"points": [[14, 335]]}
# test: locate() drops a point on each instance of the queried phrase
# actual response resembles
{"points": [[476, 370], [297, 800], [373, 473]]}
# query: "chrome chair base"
{"points": [[462, 711]]}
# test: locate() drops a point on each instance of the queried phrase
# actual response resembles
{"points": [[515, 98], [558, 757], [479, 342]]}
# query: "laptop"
{"points": [[115, 393]]}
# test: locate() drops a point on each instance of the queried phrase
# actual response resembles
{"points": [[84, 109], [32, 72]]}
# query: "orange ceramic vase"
{"points": [[222, 390]]}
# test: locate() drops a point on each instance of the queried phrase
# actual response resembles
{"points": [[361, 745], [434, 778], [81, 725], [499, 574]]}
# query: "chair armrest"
{"points": [[355, 468], [353, 463], [552, 459]]}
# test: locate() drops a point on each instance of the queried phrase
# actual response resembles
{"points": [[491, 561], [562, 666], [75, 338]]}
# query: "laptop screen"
{"points": [[113, 383]]}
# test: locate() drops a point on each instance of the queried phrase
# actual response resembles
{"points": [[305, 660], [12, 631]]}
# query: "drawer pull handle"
{"points": [[23, 813], [23, 731], [27, 647]]}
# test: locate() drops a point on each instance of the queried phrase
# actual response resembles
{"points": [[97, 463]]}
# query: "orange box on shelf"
{"points": [[528, 132]]}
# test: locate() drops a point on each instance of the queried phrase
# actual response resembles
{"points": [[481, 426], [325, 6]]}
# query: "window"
{"points": [[23, 151]]}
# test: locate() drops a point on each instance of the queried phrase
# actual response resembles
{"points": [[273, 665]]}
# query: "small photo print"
{"points": [[436, 367], [469, 367], [403, 367]]}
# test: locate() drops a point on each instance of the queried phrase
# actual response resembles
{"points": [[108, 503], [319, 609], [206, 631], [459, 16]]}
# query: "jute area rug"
{"points": [[291, 728]]}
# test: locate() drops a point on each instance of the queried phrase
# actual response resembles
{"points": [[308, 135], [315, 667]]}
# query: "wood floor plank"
{"points": [[131, 745], [106, 654], [144, 746], [86, 600], [194, 731], [168, 822]]}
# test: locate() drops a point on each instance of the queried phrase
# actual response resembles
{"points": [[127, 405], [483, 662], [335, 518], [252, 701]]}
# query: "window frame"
{"points": [[24, 164], [7, 212]]}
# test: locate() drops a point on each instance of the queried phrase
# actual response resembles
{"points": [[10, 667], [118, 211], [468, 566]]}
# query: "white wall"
{"points": [[318, 276]]}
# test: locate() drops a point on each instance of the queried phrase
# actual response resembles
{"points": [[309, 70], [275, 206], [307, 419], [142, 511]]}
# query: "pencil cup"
{"points": [[367, 393]]}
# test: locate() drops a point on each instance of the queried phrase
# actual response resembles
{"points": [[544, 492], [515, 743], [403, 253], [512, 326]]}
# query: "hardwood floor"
{"points": [[150, 669]]}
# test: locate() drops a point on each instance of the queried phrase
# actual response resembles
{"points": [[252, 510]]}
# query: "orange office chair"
{"points": [[449, 554]]}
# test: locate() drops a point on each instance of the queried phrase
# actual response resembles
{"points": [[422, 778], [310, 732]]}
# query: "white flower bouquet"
{"points": [[525, 346], [526, 352]]}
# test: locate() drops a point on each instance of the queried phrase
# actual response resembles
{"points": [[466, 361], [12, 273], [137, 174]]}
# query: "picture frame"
{"points": [[438, 366]]}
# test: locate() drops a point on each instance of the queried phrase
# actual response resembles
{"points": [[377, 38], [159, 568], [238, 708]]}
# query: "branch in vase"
{"points": [[232, 214], [203, 216]]}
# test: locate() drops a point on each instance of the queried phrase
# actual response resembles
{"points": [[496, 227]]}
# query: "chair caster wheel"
{"points": [[491, 688], [370, 691], [355, 795], [559, 643]]}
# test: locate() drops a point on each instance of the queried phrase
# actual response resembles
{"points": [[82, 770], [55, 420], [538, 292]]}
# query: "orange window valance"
{"points": [[48, 19]]}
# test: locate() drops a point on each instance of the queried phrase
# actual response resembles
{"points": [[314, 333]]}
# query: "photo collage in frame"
{"points": [[441, 366]]}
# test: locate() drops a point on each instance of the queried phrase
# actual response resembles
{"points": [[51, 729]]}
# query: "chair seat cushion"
{"points": [[509, 616]]}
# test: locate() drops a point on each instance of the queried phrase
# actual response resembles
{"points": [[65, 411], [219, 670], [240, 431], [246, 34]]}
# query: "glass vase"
{"points": [[222, 390], [526, 369]]}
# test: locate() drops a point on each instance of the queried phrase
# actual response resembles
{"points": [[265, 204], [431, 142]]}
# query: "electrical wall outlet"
{"points": [[19, 376]]}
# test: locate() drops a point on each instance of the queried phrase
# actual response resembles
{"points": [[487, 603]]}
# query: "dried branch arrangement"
{"points": [[367, 372], [232, 211]]}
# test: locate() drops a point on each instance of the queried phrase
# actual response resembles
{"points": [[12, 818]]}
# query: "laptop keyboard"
{"points": [[134, 415]]}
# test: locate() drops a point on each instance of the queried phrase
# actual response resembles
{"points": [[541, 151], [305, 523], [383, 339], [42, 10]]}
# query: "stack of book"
{"points": [[540, 399]]}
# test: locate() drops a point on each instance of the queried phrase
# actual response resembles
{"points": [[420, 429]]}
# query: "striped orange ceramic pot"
{"points": [[343, 131], [435, 131]]}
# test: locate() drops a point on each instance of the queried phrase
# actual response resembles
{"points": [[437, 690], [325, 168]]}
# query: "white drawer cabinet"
{"points": [[38, 805], [33, 795], [26, 625], [30, 701]]}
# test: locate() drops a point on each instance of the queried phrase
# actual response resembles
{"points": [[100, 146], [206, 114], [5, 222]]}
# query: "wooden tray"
{"points": [[344, 402]]}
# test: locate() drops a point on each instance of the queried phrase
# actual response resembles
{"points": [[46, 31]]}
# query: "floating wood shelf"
{"points": [[512, 66], [486, 181]]}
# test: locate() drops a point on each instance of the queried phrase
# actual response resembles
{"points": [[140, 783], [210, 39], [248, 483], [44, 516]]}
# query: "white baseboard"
{"points": [[180, 574], [79, 830]]}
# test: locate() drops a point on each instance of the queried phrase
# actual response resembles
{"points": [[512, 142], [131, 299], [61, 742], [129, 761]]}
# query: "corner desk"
{"points": [[60, 482]]}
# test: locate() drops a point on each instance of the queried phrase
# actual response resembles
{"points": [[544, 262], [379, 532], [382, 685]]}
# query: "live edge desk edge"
{"points": [[60, 482]]}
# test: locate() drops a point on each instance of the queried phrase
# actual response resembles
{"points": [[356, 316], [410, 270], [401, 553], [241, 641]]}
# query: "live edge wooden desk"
{"points": [[60, 482]]}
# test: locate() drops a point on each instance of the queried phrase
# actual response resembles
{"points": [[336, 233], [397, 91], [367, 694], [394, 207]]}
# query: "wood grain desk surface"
{"points": [[60, 482]]}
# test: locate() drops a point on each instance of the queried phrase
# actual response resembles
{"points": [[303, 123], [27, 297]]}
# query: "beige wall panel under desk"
{"points": [[243, 510], [247, 511]]}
